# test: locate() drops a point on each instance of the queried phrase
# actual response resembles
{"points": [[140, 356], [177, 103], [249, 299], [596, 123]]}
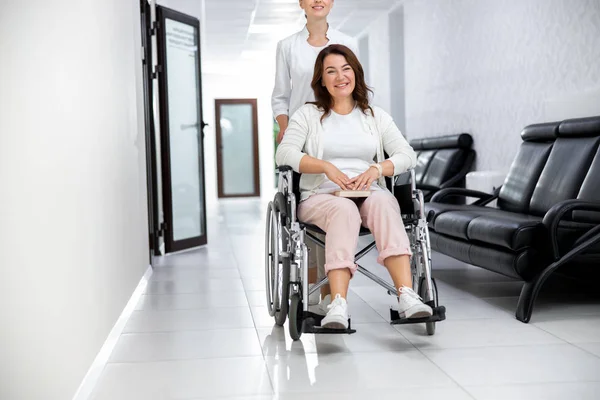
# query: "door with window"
{"points": [[181, 130], [237, 148]]}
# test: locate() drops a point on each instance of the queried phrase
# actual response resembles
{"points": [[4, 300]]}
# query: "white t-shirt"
{"points": [[348, 146], [295, 67]]}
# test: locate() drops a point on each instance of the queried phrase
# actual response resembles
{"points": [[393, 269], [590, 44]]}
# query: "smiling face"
{"points": [[316, 9], [338, 76]]}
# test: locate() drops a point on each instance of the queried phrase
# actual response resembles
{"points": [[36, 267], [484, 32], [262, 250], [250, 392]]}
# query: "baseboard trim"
{"points": [[93, 375]]}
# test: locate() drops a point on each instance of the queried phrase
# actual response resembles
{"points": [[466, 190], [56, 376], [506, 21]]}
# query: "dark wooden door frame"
{"points": [[255, 153], [151, 177]]}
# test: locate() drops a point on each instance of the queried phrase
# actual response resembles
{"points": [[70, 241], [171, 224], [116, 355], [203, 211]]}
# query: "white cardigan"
{"points": [[303, 137]]}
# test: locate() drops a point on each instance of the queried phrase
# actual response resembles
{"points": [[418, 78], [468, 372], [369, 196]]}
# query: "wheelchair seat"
{"points": [[313, 228]]}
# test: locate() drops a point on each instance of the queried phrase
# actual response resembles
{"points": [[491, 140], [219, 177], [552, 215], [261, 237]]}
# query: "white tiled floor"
{"points": [[201, 331]]}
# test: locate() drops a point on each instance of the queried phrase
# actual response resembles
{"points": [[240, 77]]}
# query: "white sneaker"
{"points": [[337, 316], [324, 303], [313, 299], [410, 304]]}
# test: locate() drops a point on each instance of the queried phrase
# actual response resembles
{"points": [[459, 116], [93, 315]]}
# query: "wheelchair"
{"points": [[286, 258]]}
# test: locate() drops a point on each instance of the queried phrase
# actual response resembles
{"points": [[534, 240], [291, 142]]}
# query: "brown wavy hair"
{"points": [[323, 99]]}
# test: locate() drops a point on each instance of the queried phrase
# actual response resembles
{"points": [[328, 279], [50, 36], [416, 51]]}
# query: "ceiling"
{"points": [[237, 31]]}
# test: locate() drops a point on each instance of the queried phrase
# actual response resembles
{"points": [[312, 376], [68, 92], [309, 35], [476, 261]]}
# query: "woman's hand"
{"points": [[338, 177], [364, 180]]}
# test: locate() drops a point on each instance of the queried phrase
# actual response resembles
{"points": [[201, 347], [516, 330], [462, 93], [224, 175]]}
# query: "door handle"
{"points": [[189, 126]]}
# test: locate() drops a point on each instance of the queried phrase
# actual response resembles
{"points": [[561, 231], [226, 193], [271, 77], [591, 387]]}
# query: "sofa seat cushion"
{"points": [[437, 209], [496, 227], [524, 264]]}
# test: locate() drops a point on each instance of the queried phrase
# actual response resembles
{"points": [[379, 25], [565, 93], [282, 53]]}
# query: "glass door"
{"points": [[182, 152], [237, 148]]}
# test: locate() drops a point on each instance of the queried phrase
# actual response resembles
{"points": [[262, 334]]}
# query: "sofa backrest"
{"points": [[552, 164], [441, 158], [515, 194]]}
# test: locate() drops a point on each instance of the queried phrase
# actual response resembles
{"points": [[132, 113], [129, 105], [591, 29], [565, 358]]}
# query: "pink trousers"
{"points": [[341, 219]]}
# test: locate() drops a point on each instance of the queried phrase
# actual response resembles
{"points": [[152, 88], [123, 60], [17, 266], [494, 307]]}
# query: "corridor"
{"points": [[202, 331]]}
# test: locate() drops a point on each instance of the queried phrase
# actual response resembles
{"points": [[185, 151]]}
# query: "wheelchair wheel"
{"points": [[277, 268], [296, 314], [429, 326], [283, 273], [271, 258]]}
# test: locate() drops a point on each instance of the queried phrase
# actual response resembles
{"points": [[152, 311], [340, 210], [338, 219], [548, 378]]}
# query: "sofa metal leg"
{"points": [[526, 300], [531, 289]]}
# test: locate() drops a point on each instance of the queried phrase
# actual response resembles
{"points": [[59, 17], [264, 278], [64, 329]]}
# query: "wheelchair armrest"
{"points": [[460, 192], [555, 214], [283, 168]]}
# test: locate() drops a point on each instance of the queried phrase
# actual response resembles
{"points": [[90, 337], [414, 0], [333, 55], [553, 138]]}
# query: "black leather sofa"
{"points": [[442, 162], [547, 214]]}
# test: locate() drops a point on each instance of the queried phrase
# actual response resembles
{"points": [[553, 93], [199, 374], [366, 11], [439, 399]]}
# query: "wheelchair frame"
{"points": [[286, 262]]}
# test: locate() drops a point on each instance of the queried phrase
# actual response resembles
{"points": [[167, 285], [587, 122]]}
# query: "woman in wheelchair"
{"points": [[338, 143]]}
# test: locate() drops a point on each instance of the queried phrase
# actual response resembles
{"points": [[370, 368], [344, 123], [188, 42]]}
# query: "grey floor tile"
{"points": [[546, 391], [477, 333], [350, 372], [517, 364], [446, 393], [195, 273], [256, 297], [199, 285], [472, 308], [373, 337], [593, 348], [574, 329], [164, 346], [187, 301], [201, 379], [261, 316], [180, 320], [254, 283], [549, 309]]}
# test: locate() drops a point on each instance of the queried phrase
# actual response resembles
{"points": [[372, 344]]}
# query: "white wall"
{"points": [[397, 64], [491, 67], [73, 210], [379, 61]]}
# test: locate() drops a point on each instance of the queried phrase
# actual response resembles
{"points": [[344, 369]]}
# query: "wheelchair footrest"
{"points": [[439, 314], [312, 324]]}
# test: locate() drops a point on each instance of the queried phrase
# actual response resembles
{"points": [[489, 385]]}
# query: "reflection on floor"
{"points": [[202, 331]]}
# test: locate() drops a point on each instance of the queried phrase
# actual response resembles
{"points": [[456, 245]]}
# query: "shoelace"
{"points": [[411, 293], [334, 302]]}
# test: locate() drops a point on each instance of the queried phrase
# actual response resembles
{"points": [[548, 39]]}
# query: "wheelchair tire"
{"points": [[271, 257], [429, 326], [296, 314], [283, 287]]}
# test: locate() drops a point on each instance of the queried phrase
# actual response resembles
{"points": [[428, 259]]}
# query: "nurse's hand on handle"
{"points": [[282, 120]]}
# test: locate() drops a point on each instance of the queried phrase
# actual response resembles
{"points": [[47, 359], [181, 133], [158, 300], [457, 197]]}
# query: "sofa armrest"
{"points": [[556, 214], [423, 186], [460, 192], [466, 168]]}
